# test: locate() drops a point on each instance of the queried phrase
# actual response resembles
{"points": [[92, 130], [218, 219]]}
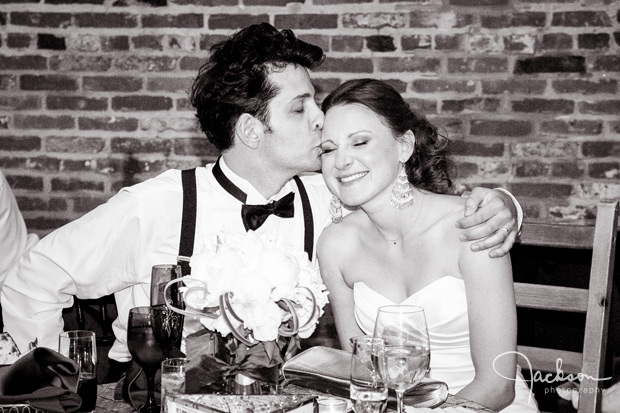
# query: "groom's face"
{"points": [[293, 137]]}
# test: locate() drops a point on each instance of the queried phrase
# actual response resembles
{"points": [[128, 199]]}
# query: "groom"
{"points": [[255, 103]]}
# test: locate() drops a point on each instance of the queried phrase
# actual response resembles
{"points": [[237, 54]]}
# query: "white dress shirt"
{"points": [[113, 248], [14, 239]]}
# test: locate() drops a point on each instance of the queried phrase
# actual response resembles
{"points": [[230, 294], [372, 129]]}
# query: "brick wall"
{"points": [[93, 92]]}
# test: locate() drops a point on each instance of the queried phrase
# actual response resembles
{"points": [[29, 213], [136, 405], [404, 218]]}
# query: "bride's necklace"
{"points": [[399, 240]]}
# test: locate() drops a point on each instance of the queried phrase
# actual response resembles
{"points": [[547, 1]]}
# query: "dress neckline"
{"points": [[432, 284]]}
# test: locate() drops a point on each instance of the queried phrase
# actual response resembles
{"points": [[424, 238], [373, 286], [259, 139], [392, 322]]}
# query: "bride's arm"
{"points": [[329, 252], [492, 328]]}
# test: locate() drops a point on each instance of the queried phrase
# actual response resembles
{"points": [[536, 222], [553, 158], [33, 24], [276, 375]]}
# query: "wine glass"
{"points": [[406, 357], [368, 391], [168, 325], [145, 350]]}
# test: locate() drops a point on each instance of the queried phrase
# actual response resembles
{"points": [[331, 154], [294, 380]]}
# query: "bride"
{"points": [[401, 246]]}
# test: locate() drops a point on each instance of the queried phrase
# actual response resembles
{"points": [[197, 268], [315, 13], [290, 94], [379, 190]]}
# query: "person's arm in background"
{"points": [[487, 211], [14, 238], [90, 257]]}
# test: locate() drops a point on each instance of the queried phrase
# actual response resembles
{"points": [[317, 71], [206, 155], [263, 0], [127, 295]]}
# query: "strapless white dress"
{"points": [[445, 307]]}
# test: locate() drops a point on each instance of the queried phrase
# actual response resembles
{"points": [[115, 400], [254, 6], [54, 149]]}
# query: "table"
{"points": [[107, 404]]}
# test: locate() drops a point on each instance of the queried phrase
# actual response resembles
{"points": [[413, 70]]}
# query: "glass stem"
{"points": [[150, 405], [400, 408]]}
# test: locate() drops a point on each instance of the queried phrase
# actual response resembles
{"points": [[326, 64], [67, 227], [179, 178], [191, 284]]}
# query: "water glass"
{"points": [[81, 347], [368, 391], [172, 378], [332, 405]]}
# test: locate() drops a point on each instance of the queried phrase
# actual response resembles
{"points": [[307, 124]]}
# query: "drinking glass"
{"points": [[81, 347], [168, 324], [368, 390], [406, 357], [145, 350], [172, 378]]}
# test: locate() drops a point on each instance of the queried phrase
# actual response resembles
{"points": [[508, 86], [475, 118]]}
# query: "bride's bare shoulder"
{"points": [[337, 238]]}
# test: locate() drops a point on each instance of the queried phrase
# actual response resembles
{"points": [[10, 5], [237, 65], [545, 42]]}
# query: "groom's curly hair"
{"points": [[428, 168], [235, 78]]}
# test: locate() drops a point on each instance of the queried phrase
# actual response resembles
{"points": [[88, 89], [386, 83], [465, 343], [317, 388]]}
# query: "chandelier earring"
{"points": [[335, 210], [402, 193]]}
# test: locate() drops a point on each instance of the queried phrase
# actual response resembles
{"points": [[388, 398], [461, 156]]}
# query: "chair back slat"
{"points": [[594, 302]]}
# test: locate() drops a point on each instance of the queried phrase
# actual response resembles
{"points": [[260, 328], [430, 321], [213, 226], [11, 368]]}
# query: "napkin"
{"points": [[43, 378]]}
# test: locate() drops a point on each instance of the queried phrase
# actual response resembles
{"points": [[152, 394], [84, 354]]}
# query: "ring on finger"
{"points": [[505, 229]]}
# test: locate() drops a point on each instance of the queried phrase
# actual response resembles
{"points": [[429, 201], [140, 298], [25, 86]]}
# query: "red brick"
{"points": [[324, 86], [426, 106], [554, 106], [478, 3], [76, 144], [205, 2], [573, 127], [526, 19], [478, 65], [316, 39], [106, 20], [43, 122], [466, 169], [99, 2], [530, 87], [399, 85], [551, 64], [593, 40], [113, 124], [604, 107], [147, 41], [74, 184], [111, 83], [408, 64], [145, 64], [61, 20], [8, 82], [585, 87], [50, 42], [84, 205], [76, 103], [546, 149], [500, 127], [601, 149], [416, 41], [23, 62], [25, 182], [470, 105], [604, 170], [281, 3], [380, 43], [45, 223], [114, 43], [194, 147], [531, 169], [601, 63], [540, 190], [183, 104], [134, 146], [4, 122], [47, 82], [440, 85], [208, 40], [31, 204], [347, 43], [352, 65], [80, 63], [465, 148], [19, 103], [449, 42], [524, 43], [570, 170], [306, 21], [330, 2], [374, 20], [36, 163], [556, 41], [20, 143], [581, 19], [169, 84], [139, 103], [235, 21], [434, 19], [79, 165], [183, 21], [18, 40]]}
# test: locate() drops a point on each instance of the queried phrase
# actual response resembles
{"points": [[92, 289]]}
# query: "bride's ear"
{"points": [[407, 145]]}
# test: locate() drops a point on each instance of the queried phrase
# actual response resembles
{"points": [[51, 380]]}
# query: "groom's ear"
{"points": [[248, 130], [407, 146]]}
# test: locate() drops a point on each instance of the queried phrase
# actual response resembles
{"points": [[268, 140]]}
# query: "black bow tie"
{"points": [[254, 216]]}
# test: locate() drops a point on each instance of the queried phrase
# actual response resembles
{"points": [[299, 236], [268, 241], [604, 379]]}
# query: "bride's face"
{"points": [[360, 156]]}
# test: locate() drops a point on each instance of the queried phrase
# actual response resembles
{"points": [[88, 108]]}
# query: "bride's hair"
{"points": [[428, 168]]}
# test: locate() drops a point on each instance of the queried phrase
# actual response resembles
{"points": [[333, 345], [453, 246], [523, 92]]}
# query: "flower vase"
{"points": [[243, 385]]}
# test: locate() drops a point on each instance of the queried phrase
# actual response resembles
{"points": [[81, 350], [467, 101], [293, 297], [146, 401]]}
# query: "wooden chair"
{"points": [[594, 301]]}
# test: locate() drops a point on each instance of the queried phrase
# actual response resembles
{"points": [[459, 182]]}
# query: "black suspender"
{"points": [[188, 220]]}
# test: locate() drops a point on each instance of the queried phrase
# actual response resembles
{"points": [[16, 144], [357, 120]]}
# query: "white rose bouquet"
{"points": [[265, 296]]}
